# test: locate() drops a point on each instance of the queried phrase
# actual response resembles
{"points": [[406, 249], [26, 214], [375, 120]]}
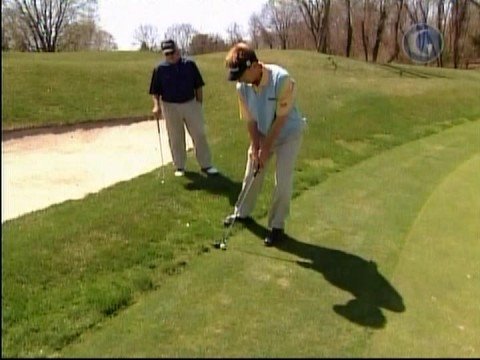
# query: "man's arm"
{"points": [[155, 91], [285, 102], [199, 94], [156, 106], [254, 134], [198, 83]]}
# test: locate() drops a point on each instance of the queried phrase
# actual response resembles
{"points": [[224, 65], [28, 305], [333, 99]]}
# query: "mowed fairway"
{"points": [[382, 260]]}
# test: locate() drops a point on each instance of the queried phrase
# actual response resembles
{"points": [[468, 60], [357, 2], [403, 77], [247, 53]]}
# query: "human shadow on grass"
{"points": [[214, 184], [348, 272]]}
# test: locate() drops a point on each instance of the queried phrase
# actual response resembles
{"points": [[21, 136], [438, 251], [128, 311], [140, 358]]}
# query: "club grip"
{"points": [[257, 169]]}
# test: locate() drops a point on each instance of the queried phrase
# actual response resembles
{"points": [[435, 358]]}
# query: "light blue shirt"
{"points": [[262, 102]]}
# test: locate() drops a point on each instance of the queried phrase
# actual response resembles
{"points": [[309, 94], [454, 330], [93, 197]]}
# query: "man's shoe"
{"points": [[210, 170], [274, 237], [231, 218], [179, 172]]}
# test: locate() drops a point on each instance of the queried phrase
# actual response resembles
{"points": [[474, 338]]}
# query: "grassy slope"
{"points": [[41, 89], [360, 250], [68, 267]]}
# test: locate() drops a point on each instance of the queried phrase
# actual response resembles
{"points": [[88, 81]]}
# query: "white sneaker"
{"points": [[210, 170], [179, 172]]}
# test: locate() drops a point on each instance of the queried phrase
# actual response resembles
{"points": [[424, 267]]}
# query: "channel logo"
{"points": [[422, 43]]}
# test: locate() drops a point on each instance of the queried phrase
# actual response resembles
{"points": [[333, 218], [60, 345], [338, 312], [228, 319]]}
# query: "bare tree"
{"points": [[103, 41], [459, 25], [254, 30], [46, 20], [86, 35], [399, 6], [147, 37], [267, 34], [15, 34], [280, 14], [206, 43], [234, 32], [365, 39], [182, 34], [349, 27], [382, 9], [373, 26], [316, 14]]}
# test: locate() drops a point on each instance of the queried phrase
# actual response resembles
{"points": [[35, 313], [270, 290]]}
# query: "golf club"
{"points": [[223, 243], [161, 151]]}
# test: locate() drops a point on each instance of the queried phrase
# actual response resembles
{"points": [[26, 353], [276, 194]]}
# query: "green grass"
{"points": [[69, 269], [376, 265], [66, 88]]}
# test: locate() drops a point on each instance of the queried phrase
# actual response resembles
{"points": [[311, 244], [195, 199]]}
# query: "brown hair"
{"points": [[239, 53]]}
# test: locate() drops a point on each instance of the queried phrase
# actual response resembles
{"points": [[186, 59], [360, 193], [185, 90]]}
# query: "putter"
{"points": [[161, 151], [223, 243]]}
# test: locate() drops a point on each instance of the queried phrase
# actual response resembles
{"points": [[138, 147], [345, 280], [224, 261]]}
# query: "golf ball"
{"points": [[223, 246]]}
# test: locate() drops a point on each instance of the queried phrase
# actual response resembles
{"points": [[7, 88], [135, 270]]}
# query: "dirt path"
{"points": [[45, 169]]}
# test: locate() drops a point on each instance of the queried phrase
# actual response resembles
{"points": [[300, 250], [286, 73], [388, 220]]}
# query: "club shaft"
{"points": [[240, 203], [161, 150]]}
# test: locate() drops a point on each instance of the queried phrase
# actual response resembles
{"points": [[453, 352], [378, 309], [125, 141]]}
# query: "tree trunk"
{"points": [[364, 41], [380, 28], [349, 28], [396, 50]]}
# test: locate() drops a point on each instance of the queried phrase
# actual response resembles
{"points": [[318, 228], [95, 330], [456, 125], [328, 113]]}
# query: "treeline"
{"points": [[371, 30], [53, 25]]}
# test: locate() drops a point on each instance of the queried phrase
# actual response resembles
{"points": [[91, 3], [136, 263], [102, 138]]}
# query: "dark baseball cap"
{"points": [[237, 68], [168, 46]]}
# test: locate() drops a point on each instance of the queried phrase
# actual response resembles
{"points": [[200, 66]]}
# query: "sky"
{"points": [[121, 17]]}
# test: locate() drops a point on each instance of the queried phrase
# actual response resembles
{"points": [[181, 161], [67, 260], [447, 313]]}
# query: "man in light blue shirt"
{"points": [[266, 96]]}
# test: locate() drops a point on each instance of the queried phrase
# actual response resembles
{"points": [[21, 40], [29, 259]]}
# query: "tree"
{"points": [[459, 25], [14, 33], [147, 37], [382, 10], [280, 15], [259, 33], [234, 32], [103, 41], [373, 26], [85, 35], [254, 29], [206, 43], [399, 6], [44, 21], [349, 27], [316, 15], [182, 34]]}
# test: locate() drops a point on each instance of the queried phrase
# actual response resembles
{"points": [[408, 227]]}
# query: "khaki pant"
{"points": [[286, 154], [188, 114]]}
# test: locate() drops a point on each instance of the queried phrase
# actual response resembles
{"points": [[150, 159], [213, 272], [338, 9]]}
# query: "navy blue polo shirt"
{"points": [[177, 82]]}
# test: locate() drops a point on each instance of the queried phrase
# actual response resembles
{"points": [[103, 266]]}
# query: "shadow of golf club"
{"points": [[348, 272], [217, 185]]}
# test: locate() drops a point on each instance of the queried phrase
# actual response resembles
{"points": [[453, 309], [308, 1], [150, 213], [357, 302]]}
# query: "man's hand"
{"points": [[156, 112], [263, 156]]}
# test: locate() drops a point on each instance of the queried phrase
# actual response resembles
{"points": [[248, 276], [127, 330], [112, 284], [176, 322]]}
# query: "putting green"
{"points": [[439, 272], [381, 260]]}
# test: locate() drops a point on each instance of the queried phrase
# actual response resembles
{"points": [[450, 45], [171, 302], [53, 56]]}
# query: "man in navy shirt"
{"points": [[176, 89]]}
